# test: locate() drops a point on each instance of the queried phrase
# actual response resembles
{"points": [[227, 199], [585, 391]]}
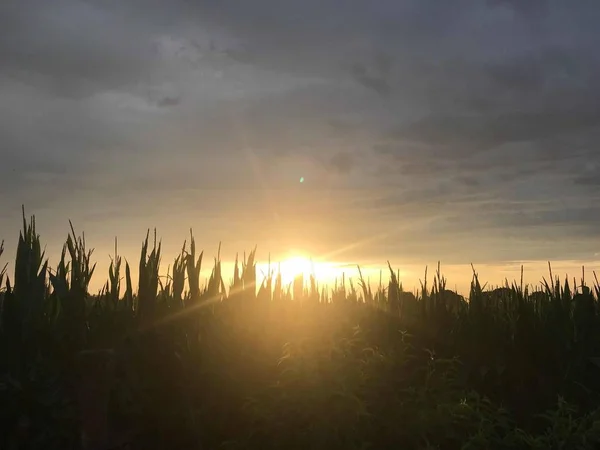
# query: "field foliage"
{"points": [[180, 363]]}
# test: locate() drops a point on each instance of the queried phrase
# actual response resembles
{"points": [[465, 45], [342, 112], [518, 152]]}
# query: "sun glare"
{"points": [[295, 266]]}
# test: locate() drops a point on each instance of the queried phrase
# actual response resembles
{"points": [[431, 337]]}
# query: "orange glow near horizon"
{"points": [[294, 265], [325, 272], [297, 265]]}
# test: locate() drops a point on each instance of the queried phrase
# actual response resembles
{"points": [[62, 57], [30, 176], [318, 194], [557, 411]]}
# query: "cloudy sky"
{"points": [[463, 131]]}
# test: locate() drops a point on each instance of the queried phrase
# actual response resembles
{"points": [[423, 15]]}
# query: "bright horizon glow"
{"points": [[296, 266], [325, 272]]}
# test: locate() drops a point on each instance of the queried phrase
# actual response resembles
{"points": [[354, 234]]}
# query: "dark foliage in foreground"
{"points": [[181, 366]]}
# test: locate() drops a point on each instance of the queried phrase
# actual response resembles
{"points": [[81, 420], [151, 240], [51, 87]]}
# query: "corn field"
{"points": [[171, 362]]}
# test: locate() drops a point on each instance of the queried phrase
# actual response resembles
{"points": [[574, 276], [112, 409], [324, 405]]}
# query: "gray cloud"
{"points": [[468, 134], [342, 162], [588, 180], [530, 9], [376, 82], [167, 101], [72, 48]]}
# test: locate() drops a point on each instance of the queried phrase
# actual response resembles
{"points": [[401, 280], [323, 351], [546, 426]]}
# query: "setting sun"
{"points": [[325, 272], [294, 266]]}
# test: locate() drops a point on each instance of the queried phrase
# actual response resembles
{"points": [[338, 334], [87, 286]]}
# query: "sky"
{"points": [[461, 132]]}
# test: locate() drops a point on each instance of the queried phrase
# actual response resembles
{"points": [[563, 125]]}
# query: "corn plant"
{"points": [[236, 284], [179, 277], [249, 274], [193, 267], [278, 287], [215, 289], [26, 301], [365, 287], [128, 299], [2, 286], [265, 291], [3, 270], [72, 291], [393, 292], [148, 279], [114, 279]]}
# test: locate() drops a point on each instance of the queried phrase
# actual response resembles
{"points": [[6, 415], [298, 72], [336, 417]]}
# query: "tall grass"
{"points": [[173, 363]]}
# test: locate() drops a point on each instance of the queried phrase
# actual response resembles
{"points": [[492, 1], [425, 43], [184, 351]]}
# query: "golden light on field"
{"points": [[325, 272]]}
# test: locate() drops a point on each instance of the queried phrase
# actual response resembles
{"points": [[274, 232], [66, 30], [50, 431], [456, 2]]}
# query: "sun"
{"points": [[294, 266], [298, 264]]}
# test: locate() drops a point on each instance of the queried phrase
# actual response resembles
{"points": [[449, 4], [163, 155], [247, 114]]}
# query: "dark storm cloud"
{"points": [[71, 47], [463, 135], [537, 96], [530, 8]]}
